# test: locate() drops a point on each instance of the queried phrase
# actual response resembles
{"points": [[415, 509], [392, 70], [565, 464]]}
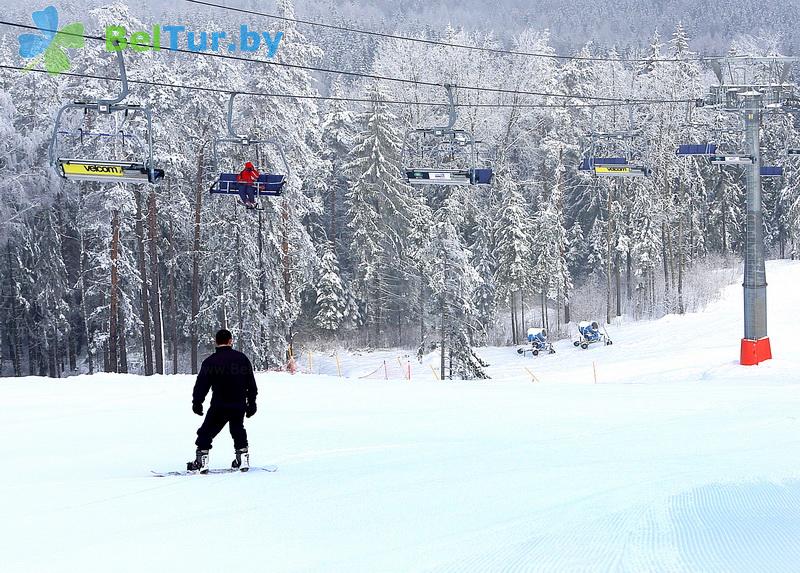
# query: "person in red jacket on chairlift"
{"points": [[247, 190]]}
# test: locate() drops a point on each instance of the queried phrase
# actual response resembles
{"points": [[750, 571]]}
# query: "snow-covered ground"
{"points": [[677, 459]]}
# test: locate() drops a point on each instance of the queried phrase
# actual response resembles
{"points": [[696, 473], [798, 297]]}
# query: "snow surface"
{"points": [[677, 459]]}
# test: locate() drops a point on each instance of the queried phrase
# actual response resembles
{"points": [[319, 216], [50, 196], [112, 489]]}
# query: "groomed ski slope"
{"points": [[676, 460]]}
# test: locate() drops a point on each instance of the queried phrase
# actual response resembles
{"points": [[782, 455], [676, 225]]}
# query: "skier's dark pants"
{"points": [[216, 418], [247, 193]]}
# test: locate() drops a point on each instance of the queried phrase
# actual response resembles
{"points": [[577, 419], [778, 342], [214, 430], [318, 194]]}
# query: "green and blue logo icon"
{"points": [[51, 44]]}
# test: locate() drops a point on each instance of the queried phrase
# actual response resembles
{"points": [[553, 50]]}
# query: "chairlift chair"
{"points": [[105, 169], [693, 149], [432, 140], [613, 166], [268, 184]]}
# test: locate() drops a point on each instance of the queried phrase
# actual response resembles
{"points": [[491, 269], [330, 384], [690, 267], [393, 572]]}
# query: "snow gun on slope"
{"points": [[589, 333], [537, 342]]}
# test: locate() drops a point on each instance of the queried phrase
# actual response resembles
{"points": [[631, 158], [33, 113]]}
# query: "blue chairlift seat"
{"points": [[482, 176], [771, 171], [695, 149], [268, 184]]}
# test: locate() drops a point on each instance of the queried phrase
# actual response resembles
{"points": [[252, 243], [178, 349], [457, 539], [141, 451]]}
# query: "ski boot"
{"points": [[200, 462], [242, 460]]}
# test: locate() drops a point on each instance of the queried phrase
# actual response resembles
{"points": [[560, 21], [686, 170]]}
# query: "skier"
{"points": [[589, 330], [247, 190], [229, 375]]}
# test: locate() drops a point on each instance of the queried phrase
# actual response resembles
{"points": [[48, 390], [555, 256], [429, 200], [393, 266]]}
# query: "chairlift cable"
{"points": [[429, 42], [321, 97], [365, 75]]}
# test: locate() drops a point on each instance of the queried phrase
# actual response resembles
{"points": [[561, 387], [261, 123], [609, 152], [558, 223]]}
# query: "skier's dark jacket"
{"points": [[229, 375]]}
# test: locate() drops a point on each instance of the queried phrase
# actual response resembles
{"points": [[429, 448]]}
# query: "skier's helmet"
{"points": [[594, 325], [544, 332]]}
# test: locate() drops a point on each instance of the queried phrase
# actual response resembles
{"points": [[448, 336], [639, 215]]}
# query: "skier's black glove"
{"points": [[250, 411], [197, 408]]}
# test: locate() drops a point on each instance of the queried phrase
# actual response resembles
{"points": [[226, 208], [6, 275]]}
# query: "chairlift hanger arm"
{"points": [[452, 112], [113, 104], [120, 97], [231, 131]]}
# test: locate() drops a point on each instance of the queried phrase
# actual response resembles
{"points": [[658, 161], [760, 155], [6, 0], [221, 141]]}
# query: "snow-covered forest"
{"points": [[135, 278]]}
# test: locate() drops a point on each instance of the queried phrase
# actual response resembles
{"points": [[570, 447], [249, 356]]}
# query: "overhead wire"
{"points": [[209, 89], [365, 75], [386, 35]]}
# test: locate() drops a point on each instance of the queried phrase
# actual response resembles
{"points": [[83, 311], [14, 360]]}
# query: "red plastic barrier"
{"points": [[755, 351]]}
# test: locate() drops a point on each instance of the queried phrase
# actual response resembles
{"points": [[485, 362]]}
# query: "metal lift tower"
{"points": [[751, 86]]}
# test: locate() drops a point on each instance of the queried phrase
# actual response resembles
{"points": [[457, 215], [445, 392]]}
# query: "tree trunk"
{"points": [[91, 349], [608, 255], [31, 354], [628, 276], [545, 318], [724, 227], [52, 351], [671, 258], [513, 319], [123, 346], [155, 281], [421, 303], [287, 287], [665, 259], [72, 350], [378, 310], [443, 337], [239, 286], [618, 282], [173, 306], [147, 339], [399, 326], [113, 334], [11, 328], [198, 204], [332, 238], [681, 309], [262, 305]]}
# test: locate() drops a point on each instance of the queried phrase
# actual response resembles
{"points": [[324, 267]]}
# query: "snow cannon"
{"points": [[537, 342], [589, 333]]}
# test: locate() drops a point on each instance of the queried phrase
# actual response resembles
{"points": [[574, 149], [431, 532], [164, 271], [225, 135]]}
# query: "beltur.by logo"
{"points": [[51, 43], [195, 41]]}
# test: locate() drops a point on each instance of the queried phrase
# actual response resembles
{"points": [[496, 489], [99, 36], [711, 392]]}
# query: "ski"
{"points": [[213, 471]]}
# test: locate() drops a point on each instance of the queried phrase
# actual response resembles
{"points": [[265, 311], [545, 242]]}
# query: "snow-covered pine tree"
{"points": [[331, 302], [380, 210], [514, 274]]}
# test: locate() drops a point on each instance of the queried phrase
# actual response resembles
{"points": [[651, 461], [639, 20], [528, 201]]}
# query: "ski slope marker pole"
{"points": [[533, 376], [406, 370], [594, 369], [338, 364], [435, 375]]}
